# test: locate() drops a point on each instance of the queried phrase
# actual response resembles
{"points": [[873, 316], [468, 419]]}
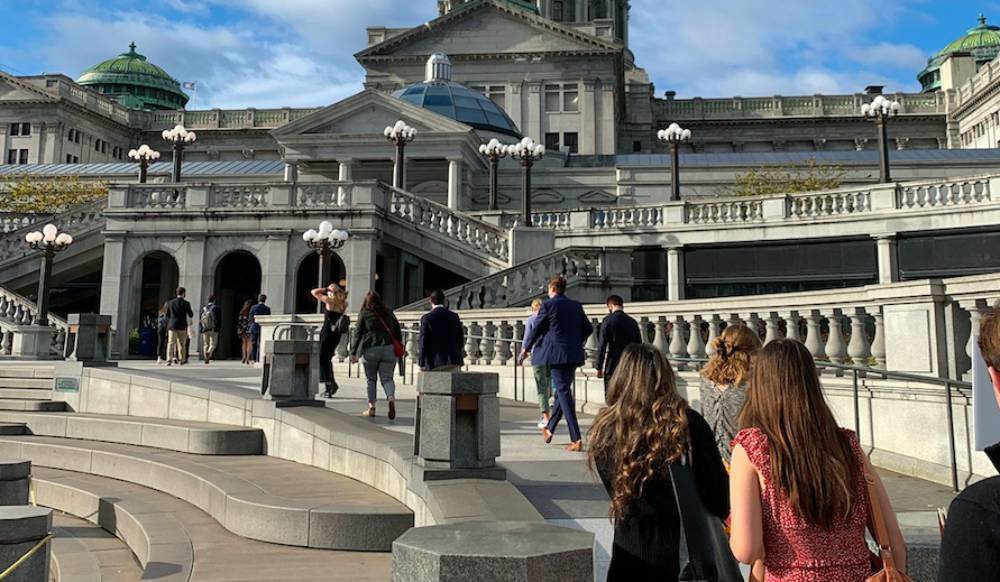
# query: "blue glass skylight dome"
{"points": [[445, 97]]}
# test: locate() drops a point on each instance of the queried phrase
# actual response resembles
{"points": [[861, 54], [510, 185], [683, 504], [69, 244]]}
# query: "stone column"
{"points": [[35, 153], [588, 143], [359, 261], [291, 172], [113, 278], [345, 170], [888, 269], [52, 149], [3, 142], [675, 273], [276, 278], [533, 120], [191, 264], [455, 183], [14, 475], [606, 141]]}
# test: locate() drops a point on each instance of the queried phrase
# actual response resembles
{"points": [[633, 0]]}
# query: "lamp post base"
{"points": [[32, 342]]}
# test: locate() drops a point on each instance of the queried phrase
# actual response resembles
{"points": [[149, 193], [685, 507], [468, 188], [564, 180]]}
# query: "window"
{"points": [[552, 98], [498, 95], [571, 98], [562, 98], [571, 141], [25, 129], [552, 141], [104, 147], [557, 10], [636, 147], [69, 134], [76, 137], [11, 157], [97, 145], [22, 157], [15, 129], [69, 159]]}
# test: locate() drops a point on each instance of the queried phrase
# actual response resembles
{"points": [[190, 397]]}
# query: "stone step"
{"points": [[34, 383], [85, 552], [13, 428], [26, 393], [200, 438], [156, 527], [17, 370], [23, 405], [257, 497]]}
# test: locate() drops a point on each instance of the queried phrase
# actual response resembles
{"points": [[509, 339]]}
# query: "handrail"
{"points": [[28, 554]]}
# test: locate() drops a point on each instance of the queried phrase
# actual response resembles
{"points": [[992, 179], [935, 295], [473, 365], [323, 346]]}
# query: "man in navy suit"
{"points": [[565, 327], [441, 336], [259, 309], [617, 331]]}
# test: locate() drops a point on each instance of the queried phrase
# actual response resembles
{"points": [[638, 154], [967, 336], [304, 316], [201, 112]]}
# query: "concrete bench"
{"points": [[201, 438], [256, 497]]}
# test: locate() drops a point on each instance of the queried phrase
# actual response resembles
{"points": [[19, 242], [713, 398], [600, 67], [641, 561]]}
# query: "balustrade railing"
{"points": [[724, 211], [827, 204], [11, 221], [240, 195], [626, 217], [17, 311], [944, 193], [795, 105], [80, 221], [156, 196], [323, 195]]}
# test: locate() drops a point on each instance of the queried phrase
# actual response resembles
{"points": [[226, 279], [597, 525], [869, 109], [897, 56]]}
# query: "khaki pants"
{"points": [[211, 342], [176, 344]]}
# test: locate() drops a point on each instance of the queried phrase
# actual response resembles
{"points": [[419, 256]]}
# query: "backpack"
{"points": [[208, 318]]}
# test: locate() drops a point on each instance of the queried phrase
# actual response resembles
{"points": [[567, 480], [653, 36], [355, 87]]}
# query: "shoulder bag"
{"points": [[397, 346], [883, 565]]}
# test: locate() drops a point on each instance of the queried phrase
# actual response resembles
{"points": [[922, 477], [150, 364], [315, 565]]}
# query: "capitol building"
{"points": [[558, 71]]}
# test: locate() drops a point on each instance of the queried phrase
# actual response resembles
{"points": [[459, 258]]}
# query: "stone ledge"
{"points": [[72, 561]]}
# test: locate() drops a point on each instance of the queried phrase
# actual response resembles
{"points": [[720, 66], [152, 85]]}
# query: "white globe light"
{"points": [[539, 150], [686, 134], [343, 235], [69, 239], [29, 238], [64, 239], [309, 235], [165, 134], [49, 237], [482, 148], [133, 154], [325, 228], [50, 229]]}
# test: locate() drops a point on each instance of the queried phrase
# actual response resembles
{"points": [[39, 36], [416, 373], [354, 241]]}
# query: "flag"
{"points": [[189, 85]]}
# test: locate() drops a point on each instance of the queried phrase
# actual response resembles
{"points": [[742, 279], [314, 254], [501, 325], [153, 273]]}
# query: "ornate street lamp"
{"points": [[145, 156], [674, 136], [528, 152], [48, 242], [324, 241], [494, 151], [879, 111], [179, 137], [399, 134]]}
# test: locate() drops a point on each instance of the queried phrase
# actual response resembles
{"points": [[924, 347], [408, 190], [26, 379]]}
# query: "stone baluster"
{"points": [[489, 343], [412, 343], [3, 305], [814, 340], [976, 309], [517, 345], [471, 343], [859, 349], [752, 320], [714, 326], [19, 314], [836, 348], [644, 330], [505, 351], [678, 343], [878, 342], [695, 345], [772, 323], [8, 343], [590, 347], [792, 326], [660, 336]]}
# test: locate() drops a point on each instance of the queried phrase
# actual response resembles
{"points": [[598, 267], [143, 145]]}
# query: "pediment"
{"points": [[11, 89], [365, 113], [487, 27], [598, 197]]}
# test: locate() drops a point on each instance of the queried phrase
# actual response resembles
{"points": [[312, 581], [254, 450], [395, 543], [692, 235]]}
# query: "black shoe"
{"points": [[333, 389], [328, 394]]}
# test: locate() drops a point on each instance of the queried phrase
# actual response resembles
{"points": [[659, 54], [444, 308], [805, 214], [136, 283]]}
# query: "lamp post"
{"points": [[673, 136], [145, 156], [48, 242], [528, 152], [399, 134], [324, 241], [179, 137], [494, 151], [879, 111]]}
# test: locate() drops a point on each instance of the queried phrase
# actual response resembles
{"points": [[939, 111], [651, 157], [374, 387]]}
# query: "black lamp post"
{"points": [[494, 152], [400, 134], [673, 136], [48, 242], [324, 241], [179, 137], [528, 152], [880, 110], [145, 156]]}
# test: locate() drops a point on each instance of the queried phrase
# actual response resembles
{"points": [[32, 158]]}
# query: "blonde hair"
{"points": [[536, 304], [732, 360]]}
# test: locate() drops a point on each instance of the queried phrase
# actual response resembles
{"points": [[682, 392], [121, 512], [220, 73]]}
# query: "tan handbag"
{"points": [[888, 571]]}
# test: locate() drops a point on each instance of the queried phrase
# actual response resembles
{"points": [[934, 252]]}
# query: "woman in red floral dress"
{"points": [[797, 487]]}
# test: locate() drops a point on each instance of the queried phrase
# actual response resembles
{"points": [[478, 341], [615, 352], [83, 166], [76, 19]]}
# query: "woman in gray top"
{"points": [[724, 383]]}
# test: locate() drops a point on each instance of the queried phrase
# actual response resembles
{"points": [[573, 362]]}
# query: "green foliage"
{"points": [[49, 196], [808, 176]]}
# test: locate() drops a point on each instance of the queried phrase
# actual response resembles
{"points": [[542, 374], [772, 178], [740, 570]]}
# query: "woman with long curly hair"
{"points": [[645, 427], [724, 382]]}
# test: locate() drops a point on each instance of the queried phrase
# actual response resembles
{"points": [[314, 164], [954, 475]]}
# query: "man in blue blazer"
{"points": [[441, 336], [566, 328], [260, 308]]}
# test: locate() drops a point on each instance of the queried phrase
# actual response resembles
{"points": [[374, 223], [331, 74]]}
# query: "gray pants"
{"points": [[380, 361]]}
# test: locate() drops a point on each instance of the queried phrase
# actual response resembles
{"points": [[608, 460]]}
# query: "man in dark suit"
{"points": [[259, 309], [441, 336], [179, 314], [565, 327], [617, 331]]}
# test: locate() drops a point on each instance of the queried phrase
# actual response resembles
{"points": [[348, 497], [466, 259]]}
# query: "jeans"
{"points": [[255, 338], [562, 381], [177, 344], [380, 361], [211, 339], [543, 383]]}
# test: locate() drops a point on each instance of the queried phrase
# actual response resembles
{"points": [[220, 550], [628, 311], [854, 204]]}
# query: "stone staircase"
{"points": [[17, 311], [26, 388]]}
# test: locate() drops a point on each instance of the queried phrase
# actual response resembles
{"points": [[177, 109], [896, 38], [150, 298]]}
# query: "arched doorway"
{"points": [[158, 276], [307, 279], [237, 279]]}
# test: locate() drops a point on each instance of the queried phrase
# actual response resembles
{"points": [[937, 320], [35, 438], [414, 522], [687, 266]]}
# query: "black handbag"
{"points": [[704, 554]]}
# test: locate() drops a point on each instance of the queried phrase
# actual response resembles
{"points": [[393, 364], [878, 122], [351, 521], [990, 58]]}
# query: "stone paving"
{"points": [[555, 481]]}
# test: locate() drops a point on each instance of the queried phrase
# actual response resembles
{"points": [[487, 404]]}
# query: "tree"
{"points": [[49, 196], [808, 176]]}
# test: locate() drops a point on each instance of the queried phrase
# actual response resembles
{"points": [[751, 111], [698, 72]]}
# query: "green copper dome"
{"points": [[982, 42], [135, 82]]}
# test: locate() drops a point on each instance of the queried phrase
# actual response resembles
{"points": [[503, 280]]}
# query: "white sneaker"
{"points": [[542, 423], [159, 361]]}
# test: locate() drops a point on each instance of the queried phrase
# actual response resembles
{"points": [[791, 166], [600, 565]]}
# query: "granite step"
{"points": [[84, 552], [27, 393], [201, 438], [8, 428], [257, 497], [27, 405], [30, 370], [32, 383]]}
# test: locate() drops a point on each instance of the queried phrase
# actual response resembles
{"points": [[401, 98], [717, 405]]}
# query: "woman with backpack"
{"points": [[335, 325], [378, 341]]}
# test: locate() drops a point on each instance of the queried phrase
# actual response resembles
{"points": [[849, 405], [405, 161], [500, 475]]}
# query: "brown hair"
{"points": [[989, 338], [642, 429], [557, 283], [373, 303], [735, 349], [246, 307], [812, 461]]}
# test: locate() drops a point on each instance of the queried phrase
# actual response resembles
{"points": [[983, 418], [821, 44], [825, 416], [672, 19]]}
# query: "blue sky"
{"points": [[273, 53]]}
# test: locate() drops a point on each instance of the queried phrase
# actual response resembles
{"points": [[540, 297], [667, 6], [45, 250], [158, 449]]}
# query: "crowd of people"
{"points": [[175, 326]]}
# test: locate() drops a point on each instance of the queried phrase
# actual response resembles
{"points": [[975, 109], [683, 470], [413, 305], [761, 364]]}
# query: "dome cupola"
{"points": [[135, 82], [981, 42]]}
